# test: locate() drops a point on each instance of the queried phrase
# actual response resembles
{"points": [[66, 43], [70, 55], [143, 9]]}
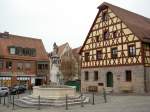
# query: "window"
{"points": [[114, 52], [33, 52], [114, 34], [19, 51], [42, 66], [131, 50], [95, 75], [104, 16], [12, 50], [97, 38], [26, 52], [99, 55], [22, 51], [9, 65], [86, 75], [128, 76], [27, 65], [46, 66], [1, 64], [19, 66], [87, 56], [105, 35]]}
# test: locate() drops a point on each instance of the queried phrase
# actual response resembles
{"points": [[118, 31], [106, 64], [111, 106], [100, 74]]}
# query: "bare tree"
{"points": [[68, 66]]}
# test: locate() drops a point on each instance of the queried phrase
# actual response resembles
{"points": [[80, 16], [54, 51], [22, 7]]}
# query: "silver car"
{"points": [[4, 91]]}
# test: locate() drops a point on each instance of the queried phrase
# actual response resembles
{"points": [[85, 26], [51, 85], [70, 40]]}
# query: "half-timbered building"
{"points": [[116, 52]]}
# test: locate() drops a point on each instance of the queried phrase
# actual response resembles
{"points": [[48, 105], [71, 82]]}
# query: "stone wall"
{"points": [[119, 81]]}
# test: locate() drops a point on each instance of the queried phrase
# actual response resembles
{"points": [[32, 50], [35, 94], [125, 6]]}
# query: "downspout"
{"points": [[143, 61], [145, 84]]}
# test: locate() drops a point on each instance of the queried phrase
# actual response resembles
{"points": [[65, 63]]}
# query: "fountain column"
{"points": [[55, 74]]}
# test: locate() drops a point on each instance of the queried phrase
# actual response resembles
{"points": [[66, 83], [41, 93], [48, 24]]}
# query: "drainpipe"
{"points": [[143, 62], [145, 81]]}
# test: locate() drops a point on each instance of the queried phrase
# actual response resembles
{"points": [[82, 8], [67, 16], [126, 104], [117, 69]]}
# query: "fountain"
{"points": [[53, 94]]}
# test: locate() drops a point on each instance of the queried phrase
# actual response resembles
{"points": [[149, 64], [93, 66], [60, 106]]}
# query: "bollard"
{"points": [[0, 100], [82, 100], [13, 102], [30, 92], [93, 103], [104, 94], [18, 94], [4, 103], [66, 102], [10, 97], [39, 103], [8, 100]]}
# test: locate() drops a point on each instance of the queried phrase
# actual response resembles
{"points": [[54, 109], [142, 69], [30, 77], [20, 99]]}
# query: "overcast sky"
{"points": [[58, 21]]}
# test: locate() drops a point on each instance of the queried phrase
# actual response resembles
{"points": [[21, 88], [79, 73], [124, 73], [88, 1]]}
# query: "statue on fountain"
{"points": [[55, 73]]}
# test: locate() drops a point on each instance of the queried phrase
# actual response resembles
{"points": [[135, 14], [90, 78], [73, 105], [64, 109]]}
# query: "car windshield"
{"points": [[3, 88], [16, 87]]}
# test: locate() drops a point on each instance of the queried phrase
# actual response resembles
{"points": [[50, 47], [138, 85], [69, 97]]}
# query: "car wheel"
{"points": [[6, 94]]}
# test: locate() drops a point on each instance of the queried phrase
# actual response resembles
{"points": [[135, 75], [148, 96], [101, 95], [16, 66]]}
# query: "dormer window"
{"points": [[15, 50], [114, 34], [12, 50], [105, 35], [97, 38], [87, 56], [104, 16]]}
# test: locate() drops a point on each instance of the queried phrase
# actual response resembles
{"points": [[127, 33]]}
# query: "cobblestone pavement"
{"points": [[116, 103]]}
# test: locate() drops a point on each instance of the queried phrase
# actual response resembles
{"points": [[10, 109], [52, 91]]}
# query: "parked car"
{"points": [[13, 91], [4, 91], [20, 89], [17, 89]]}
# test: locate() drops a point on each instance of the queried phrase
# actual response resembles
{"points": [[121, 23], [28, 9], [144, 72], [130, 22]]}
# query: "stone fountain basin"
{"points": [[53, 92]]}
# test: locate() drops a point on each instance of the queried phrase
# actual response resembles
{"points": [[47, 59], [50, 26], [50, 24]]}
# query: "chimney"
{"points": [[5, 34]]}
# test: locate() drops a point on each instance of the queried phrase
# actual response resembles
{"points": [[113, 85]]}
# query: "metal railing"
{"points": [[9, 100]]}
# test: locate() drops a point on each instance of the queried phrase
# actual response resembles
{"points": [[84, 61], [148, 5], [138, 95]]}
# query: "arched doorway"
{"points": [[109, 79]]}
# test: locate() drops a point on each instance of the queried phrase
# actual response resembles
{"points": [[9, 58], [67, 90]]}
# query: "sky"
{"points": [[58, 21]]}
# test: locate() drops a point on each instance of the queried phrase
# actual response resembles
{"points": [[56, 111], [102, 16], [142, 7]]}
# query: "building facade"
{"points": [[23, 60], [69, 62], [77, 56], [116, 52]]}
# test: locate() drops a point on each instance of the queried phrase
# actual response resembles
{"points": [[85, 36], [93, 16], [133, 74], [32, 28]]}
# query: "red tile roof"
{"points": [[24, 42], [61, 48], [76, 50]]}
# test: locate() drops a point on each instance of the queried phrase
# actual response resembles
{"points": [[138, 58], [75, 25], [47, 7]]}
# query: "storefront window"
{"points": [[5, 81], [9, 65], [19, 66], [1, 64], [28, 65]]}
